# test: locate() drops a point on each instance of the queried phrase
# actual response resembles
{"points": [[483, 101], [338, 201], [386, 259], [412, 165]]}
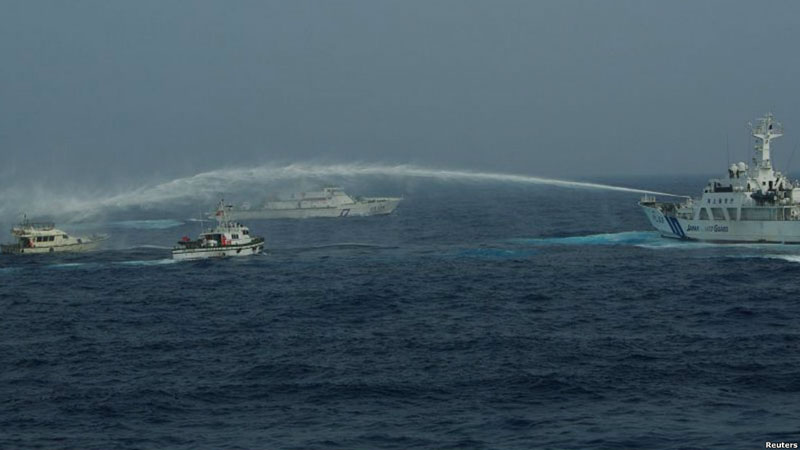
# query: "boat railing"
{"points": [[647, 198], [33, 226]]}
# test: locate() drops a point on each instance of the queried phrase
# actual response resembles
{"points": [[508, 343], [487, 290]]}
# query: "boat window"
{"points": [[235, 236], [703, 214], [758, 214], [245, 232], [65, 236], [52, 238]]}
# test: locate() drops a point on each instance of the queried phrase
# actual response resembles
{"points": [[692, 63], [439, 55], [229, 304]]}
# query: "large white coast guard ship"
{"points": [[329, 202], [751, 204]]}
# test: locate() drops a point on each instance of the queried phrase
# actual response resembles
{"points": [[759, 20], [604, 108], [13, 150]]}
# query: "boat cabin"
{"points": [[232, 234]]}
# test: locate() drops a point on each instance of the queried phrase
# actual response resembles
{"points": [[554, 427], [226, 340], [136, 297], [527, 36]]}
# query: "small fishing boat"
{"points": [[34, 238], [228, 238]]}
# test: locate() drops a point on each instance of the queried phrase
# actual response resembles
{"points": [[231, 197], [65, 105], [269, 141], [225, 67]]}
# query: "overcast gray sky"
{"points": [[93, 90]]}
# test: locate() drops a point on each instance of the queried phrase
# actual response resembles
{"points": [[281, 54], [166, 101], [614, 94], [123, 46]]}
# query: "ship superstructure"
{"points": [[750, 204]]}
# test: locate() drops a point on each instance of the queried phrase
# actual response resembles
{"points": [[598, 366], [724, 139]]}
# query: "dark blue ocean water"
{"points": [[478, 316]]}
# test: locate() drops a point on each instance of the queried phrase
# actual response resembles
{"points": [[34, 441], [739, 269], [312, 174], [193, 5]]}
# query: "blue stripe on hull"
{"points": [[679, 227], [671, 226], [676, 227]]}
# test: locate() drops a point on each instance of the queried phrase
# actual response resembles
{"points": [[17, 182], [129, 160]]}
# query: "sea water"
{"points": [[480, 315]]}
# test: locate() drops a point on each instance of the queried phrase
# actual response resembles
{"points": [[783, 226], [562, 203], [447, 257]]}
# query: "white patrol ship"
{"points": [[33, 238], [228, 238], [329, 202], [751, 204]]}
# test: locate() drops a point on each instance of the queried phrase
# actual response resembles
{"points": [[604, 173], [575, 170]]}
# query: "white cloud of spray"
{"points": [[208, 185]]}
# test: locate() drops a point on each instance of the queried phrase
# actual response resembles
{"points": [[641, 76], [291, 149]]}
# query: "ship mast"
{"points": [[765, 130]]}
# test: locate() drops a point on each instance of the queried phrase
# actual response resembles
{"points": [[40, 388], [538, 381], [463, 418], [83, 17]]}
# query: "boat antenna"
{"points": [[727, 150], [789, 163], [749, 147]]}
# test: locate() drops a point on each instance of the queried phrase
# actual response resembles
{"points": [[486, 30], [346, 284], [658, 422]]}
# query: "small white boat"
{"points": [[228, 238], [35, 238]]}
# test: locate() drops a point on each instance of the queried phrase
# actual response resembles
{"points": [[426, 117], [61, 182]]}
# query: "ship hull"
{"points": [[365, 208], [724, 231], [186, 254], [15, 249]]}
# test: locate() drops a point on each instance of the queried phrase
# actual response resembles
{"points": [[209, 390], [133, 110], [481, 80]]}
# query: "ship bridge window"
{"points": [[758, 214], [235, 236], [245, 232]]}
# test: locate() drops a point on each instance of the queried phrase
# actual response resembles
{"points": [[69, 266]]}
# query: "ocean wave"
{"points": [[150, 246], [72, 265], [623, 238], [789, 258], [643, 239], [147, 262], [778, 256], [494, 253]]}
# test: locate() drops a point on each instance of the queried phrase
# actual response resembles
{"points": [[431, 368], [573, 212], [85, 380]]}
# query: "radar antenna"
{"points": [[765, 130]]}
